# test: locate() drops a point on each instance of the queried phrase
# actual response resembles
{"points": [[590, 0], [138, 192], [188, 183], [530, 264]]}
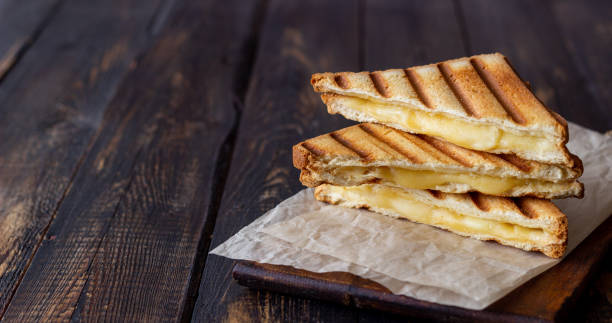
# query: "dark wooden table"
{"points": [[135, 135]]}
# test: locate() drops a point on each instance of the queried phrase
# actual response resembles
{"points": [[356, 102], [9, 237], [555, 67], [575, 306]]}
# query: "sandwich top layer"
{"points": [[526, 223], [480, 90]]}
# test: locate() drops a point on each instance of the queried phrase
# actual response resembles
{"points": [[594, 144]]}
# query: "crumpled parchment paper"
{"points": [[413, 259]]}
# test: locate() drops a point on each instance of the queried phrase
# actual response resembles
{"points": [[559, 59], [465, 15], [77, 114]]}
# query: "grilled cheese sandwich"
{"points": [[477, 102]]}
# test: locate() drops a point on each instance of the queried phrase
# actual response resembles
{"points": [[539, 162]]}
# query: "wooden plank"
{"points": [[20, 24], [552, 294], [594, 305], [526, 32], [298, 38], [546, 298], [400, 34], [51, 105], [587, 32], [423, 33], [125, 239]]}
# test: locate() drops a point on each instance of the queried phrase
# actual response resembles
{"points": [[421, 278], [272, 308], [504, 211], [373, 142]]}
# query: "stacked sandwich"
{"points": [[462, 145]]}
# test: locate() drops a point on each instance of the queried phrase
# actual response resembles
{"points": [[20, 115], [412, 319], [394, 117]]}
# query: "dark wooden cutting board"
{"points": [[547, 297]]}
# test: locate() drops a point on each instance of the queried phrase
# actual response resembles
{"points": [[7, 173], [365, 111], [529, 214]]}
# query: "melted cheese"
{"points": [[403, 205], [466, 134], [427, 179]]}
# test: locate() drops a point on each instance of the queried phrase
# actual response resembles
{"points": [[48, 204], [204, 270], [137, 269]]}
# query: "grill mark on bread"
{"points": [[524, 207], [417, 85], [342, 81], [348, 144], [448, 77], [556, 116], [479, 201], [495, 159], [516, 162], [425, 146], [366, 128], [443, 148], [312, 149], [380, 84], [497, 92]]}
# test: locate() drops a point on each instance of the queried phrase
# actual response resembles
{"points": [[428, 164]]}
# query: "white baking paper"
{"points": [[413, 259]]}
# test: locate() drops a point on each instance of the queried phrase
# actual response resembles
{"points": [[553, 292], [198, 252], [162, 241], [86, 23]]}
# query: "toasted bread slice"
{"points": [[526, 223], [476, 102], [373, 153]]}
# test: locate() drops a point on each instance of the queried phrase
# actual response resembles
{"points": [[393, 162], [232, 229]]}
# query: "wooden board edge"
{"points": [[351, 290], [288, 280]]}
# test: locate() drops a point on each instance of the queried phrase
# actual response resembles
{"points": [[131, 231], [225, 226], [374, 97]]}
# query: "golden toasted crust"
{"points": [[481, 89], [527, 212], [375, 145]]}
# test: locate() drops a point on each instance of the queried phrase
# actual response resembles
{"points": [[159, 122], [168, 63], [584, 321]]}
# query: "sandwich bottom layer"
{"points": [[400, 203]]}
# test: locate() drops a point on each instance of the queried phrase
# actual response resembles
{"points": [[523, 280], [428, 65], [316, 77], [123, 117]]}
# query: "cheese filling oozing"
{"points": [[427, 179], [466, 134], [402, 204]]}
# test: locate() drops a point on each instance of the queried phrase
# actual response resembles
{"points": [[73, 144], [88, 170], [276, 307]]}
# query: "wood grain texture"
{"points": [[400, 34], [526, 34], [297, 39], [51, 104], [587, 32], [351, 290], [381, 50], [595, 304], [125, 239], [551, 295], [118, 202], [20, 24], [546, 298]]}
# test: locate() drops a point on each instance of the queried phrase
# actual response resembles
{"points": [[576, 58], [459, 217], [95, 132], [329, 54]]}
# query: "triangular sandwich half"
{"points": [[373, 153], [526, 223], [476, 102]]}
